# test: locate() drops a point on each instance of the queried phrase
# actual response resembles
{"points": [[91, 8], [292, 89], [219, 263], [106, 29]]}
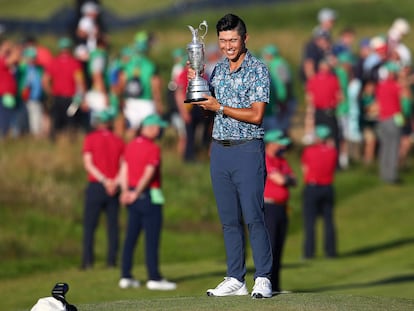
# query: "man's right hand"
{"points": [[190, 73]]}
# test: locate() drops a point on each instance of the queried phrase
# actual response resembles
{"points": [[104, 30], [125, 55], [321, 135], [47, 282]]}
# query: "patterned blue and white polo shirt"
{"points": [[239, 89]]}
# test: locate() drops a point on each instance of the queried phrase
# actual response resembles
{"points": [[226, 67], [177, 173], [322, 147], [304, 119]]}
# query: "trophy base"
{"points": [[197, 88], [194, 100]]}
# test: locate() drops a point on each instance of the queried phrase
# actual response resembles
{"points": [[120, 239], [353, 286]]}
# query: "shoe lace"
{"points": [[226, 280], [229, 283]]}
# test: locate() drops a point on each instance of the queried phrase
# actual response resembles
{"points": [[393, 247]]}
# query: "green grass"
{"points": [[42, 188], [40, 242]]}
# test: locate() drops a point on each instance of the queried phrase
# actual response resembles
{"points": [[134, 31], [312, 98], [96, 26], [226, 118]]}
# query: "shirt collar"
{"points": [[244, 63]]}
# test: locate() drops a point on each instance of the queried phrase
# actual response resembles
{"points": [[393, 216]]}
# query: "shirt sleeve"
{"points": [[154, 156], [261, 85]]}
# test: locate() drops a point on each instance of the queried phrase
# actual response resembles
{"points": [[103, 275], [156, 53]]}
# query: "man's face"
{"points": [[231, 44]]}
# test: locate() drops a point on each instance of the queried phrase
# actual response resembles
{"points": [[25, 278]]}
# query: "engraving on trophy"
{"points": [[195, 50]]}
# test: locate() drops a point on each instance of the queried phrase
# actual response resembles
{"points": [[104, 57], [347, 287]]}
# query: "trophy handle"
{"points": [[201, 26]]}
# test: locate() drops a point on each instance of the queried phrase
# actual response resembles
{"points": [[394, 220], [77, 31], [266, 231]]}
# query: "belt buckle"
{"points": [[226, 143]]}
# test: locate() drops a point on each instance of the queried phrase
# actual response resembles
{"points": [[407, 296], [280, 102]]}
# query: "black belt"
{"points": [[232, 142], [313, 184], [327, 111]]}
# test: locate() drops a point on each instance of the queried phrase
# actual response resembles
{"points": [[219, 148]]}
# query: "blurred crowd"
{"points": [[360, 88], [363, 95]]}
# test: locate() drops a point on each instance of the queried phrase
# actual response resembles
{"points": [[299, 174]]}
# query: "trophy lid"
{"points": [[194, 31]]}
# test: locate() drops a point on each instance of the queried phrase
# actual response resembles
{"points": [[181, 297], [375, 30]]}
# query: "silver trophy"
{"points": [[195, 50]]}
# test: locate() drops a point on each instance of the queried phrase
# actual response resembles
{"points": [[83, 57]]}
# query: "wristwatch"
{"points": [[220, 111]]}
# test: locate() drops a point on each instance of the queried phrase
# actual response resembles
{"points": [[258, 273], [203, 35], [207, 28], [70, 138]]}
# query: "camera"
{"points": [[59, 291]]}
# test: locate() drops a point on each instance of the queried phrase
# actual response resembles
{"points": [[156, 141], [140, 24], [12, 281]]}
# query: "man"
{"points": [[64, 81], [240, 84], [88, 29], [317, 49], [8, 87], [32, 92], [142, 194], [323, 94], [399, 29], [98, 96], [345, 42], [344, 72], [102, 154], [318, 167], [326, 19], [141, 86], [390, 94]]}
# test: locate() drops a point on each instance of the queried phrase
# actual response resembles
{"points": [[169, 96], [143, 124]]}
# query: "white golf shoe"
{"points": [[128, 283], [161, 285], [229, 287], [262, 288]]}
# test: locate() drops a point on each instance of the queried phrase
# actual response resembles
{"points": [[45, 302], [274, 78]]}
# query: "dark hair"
{"points": [[231, 22]]}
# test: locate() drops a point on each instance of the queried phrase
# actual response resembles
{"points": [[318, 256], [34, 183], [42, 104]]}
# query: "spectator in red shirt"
{"points": [[323, 93], [388, 94], [141, 192], [8, 88], [318, 167], [102, 154], [276, 196], [64, 81]]}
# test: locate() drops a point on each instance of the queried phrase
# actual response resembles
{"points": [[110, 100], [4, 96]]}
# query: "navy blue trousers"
{"points": [[238, 175], [97, 201], [143, 215], [319, 200]]}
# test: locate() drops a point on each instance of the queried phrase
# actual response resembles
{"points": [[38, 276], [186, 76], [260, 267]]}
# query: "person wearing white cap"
{"points": [[320, 44], [400, 52], [326, 19], [315, 50], [90, 7], [398, 30], [396, 48], [88, 28]]}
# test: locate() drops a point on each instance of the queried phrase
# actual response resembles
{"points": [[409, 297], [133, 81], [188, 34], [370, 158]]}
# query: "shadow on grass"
{"points": [[379, 247], [407, 278]]}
